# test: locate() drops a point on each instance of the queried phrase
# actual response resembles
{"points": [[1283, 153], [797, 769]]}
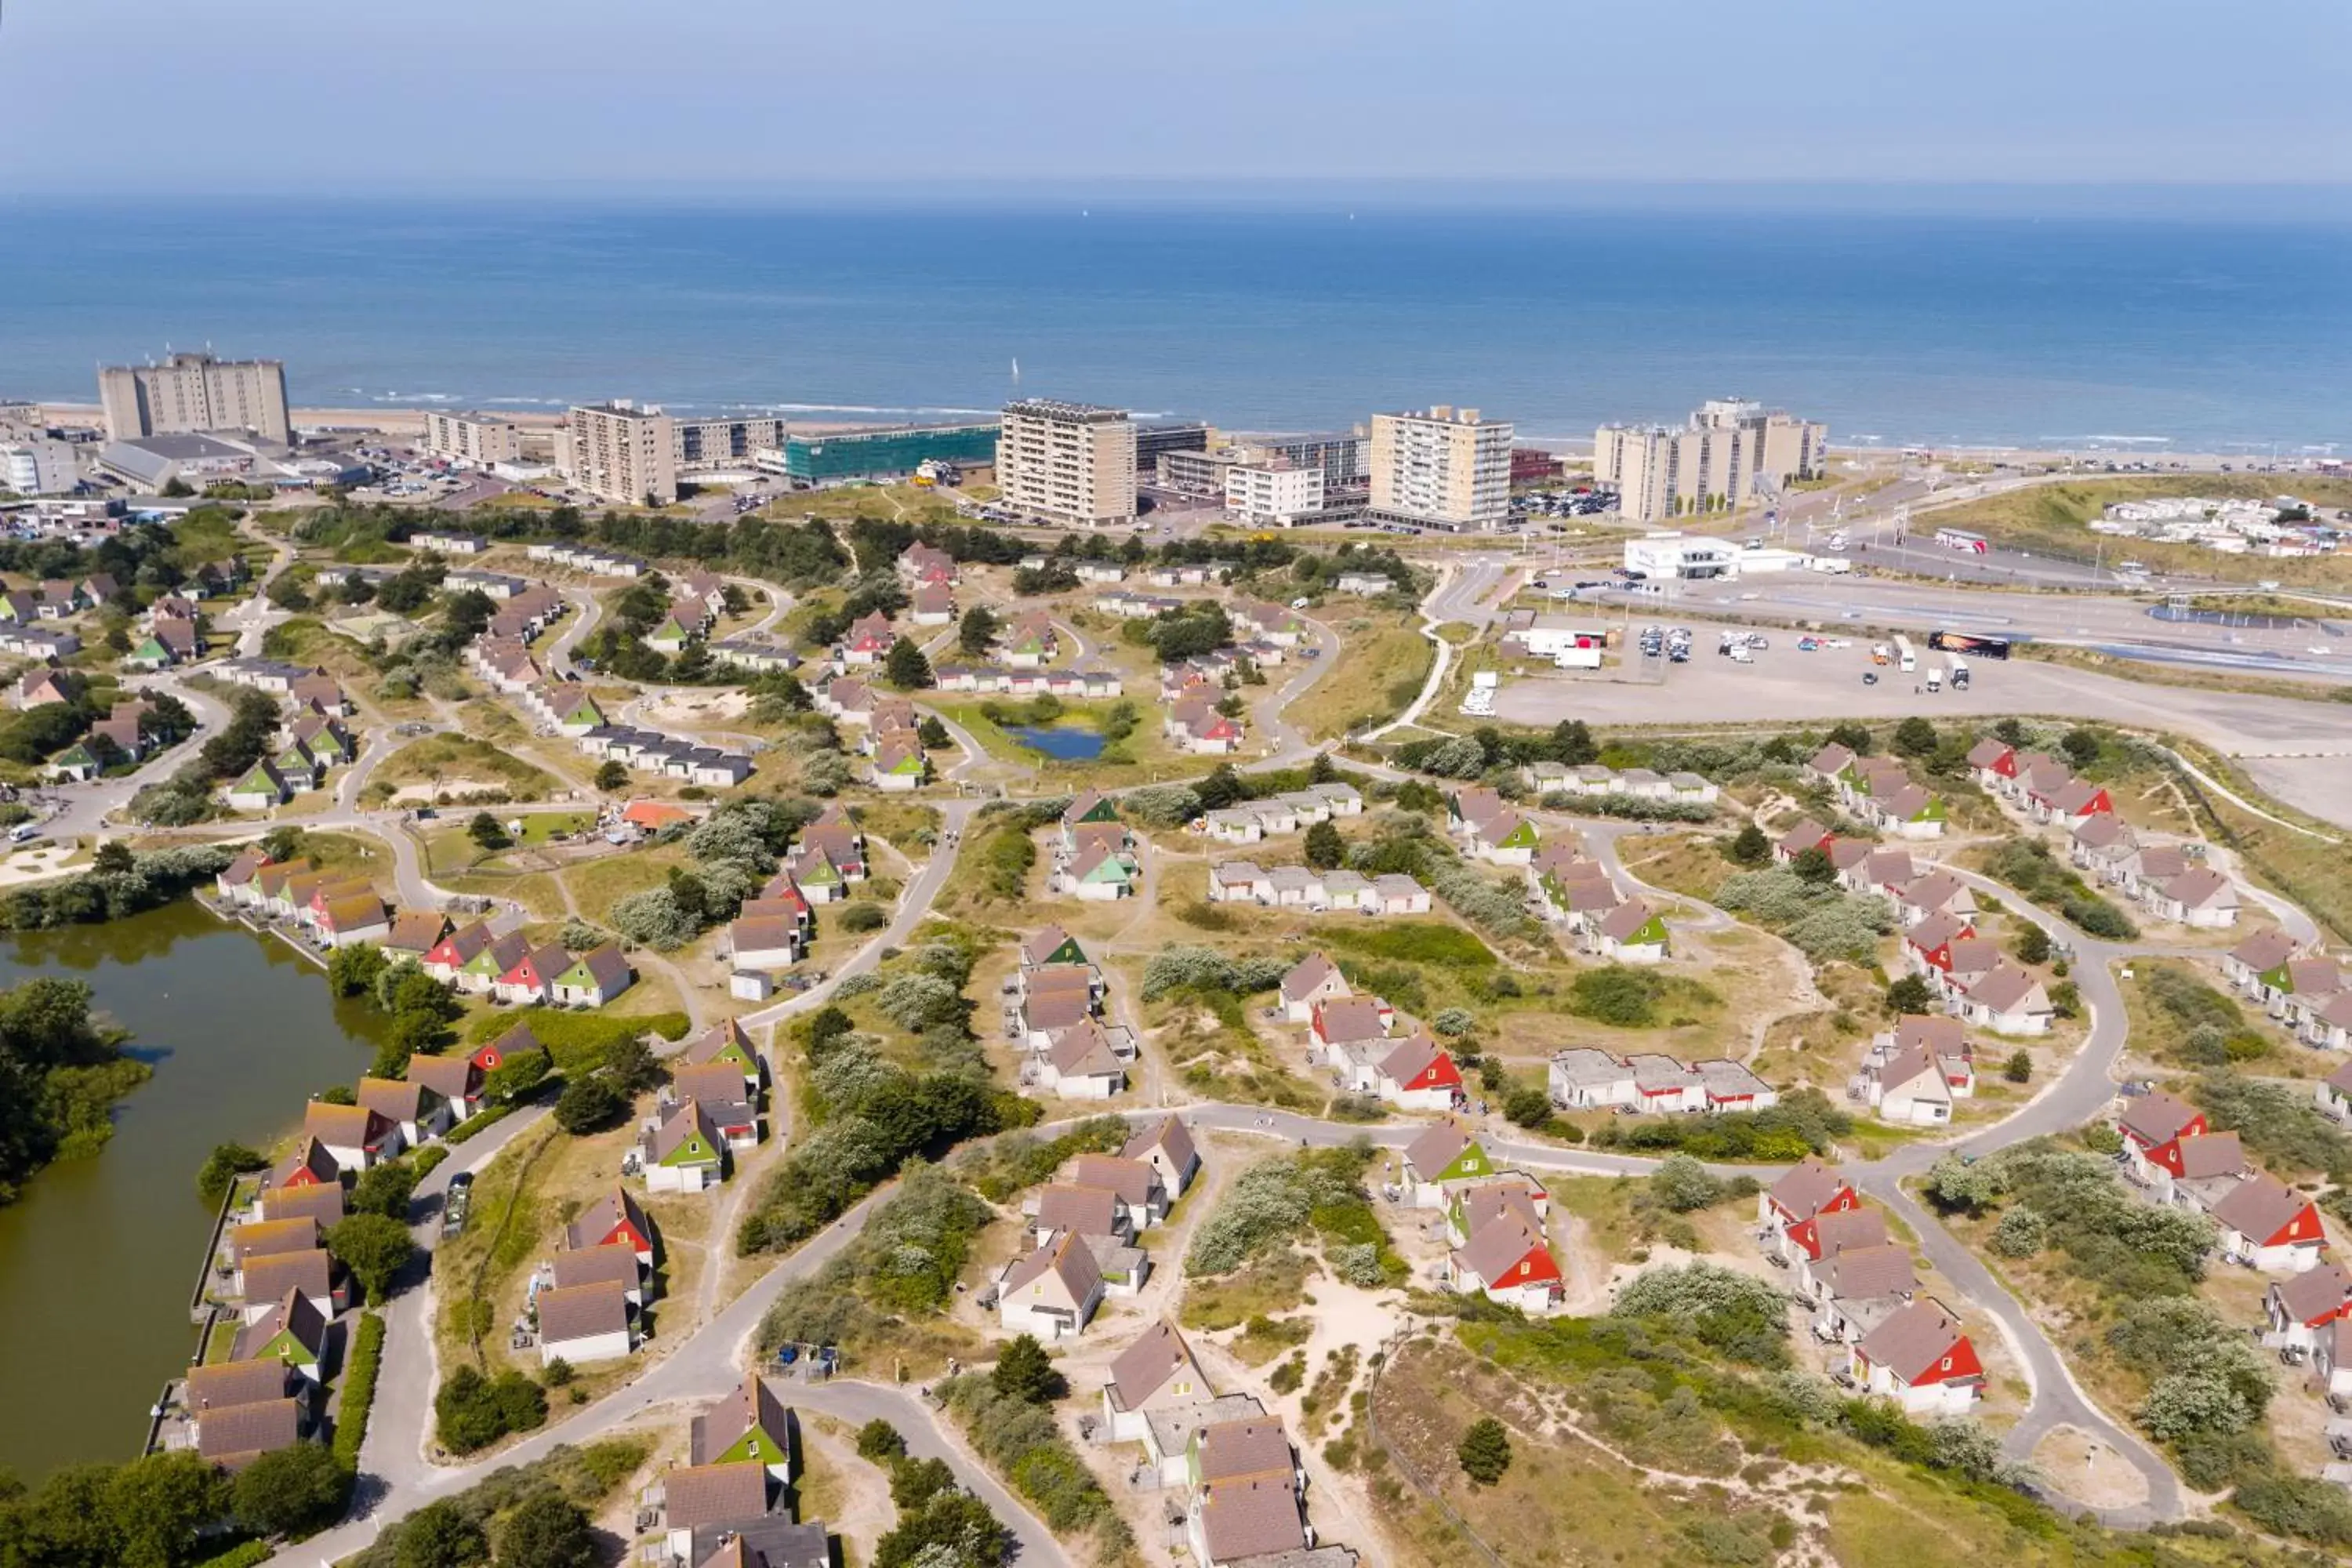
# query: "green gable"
{"points": [[768, 1448], [152, 651], [587, 713], [483, 963], [819, 875], [668, 631], [1112, 868], [76, 755], [692, 1150], [1103, 809], [285, 1347], [1523, 837], [257, 781], [577, 977], [2279, 980], [1068, 952], [1472, 1161], [1932, 812], [1652, 935], [911, 763]]}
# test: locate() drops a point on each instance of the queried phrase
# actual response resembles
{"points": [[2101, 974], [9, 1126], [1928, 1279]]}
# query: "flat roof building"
{"points": [[1346, 459], [1067, 462], [38, 467], [1727, 452], [193, 392], [1445, 468], [621, 452], [723, 443], [480, 439], [885, 454], [1273, 494]]}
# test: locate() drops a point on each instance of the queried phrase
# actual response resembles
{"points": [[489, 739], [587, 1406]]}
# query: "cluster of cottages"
{"points": [[886, 732], [1591, 779], [651, 751], [1583, 1077], [1881, 792], [707, 1113], [1316, 892], [731, 1504], [1577, 892], [696, 603], [31, 618], [1286, 813], [1976, 981], [772, 930], [312, 739], [1863, 1293], [115, 740], [276, 1280], [1096, 859], [1917, 1071], [1359, 1039], [592, 559], [2171, 1150], [1055, 1014], [1495, 1220], [1082, 1230], [2309, 992], [57, 599], [2166, 880], [1247, 1503], [1024, 647]]}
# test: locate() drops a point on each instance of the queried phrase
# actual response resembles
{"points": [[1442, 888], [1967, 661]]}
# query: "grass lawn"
{"points": [[1382, 662], [443, 761], [597, 885]]}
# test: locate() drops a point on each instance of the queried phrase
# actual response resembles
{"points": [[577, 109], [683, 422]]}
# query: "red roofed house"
{"points": [[2269, 1225], [1920, 1358], [1809, 1188], [1508, 1262], [615, 1218], [533, 976], [1419, 1075], [2153, 1126]]}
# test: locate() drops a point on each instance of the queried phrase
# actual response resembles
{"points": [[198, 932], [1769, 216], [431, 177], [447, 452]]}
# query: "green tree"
{"points": [[976, 631], [440, 1535], [904, 667], [879, 1441], [2019, 1068], [2032, 944], [1749, 846], [914, 1482], [2081, 746], [223, 1166], [546, 1530], [1484, 1452], [1526, 1106], [1573, 744], [1915, 737], [1325, 848], [611, 776], [1853, 737], [1813, 866], [375, 1248], [1966, 1185], [631, 1067], [1682, 1184], [385, 1189], [353, 971], [486, 832], [156, 1506], [289, 1491], [114, 856], [1910, 995], [1023, 1373], [587, 1105]]}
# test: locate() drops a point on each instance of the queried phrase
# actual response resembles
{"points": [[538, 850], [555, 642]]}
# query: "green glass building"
{"points": [[880, 454]]}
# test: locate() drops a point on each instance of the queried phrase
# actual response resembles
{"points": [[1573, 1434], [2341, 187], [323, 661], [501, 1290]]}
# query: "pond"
{"points": [[98, 1258], [1063, 742]]}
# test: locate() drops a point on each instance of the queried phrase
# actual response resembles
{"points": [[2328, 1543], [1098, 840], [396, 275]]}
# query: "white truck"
{"points": [[1935, 677]]}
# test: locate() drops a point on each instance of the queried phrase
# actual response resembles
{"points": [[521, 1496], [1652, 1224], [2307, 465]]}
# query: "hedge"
{"points": [[247, 1556], [481, 1120], [359, 1390]]}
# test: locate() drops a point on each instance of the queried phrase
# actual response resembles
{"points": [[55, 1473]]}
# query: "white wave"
{"points": [[2117, 440]]}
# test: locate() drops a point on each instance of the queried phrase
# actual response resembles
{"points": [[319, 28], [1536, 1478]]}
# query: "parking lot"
{"points": [[1783, 684]]}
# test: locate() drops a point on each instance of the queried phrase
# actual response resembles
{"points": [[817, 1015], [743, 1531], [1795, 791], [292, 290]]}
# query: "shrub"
{"points": [[1484, 1452], [359, 1390], [861, 917], [1735, 1313], [1682, 1184]]}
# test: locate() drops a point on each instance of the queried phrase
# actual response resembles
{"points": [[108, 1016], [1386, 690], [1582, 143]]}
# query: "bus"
{"points": [[1968, 642], [1905, 657], [1953, 539]]}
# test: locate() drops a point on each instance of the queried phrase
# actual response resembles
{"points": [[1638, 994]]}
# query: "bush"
{"points": [[289, 1491], [472, 1411], [1738, 1314], [1484, 1452], [2020, 1233], [222, 1167], [1681, 1185], [879, 1441], [1023, 1371], [862, 915], [359, 1390], [1020, 1441], [588, 1105]]}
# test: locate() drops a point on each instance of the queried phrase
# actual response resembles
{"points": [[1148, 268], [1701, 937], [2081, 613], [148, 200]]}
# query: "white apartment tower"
{"points": [[1067, 462], [193, 392], [480, 439], [621, 452], [1272, 494], [1445, 468], [1726, 455]]}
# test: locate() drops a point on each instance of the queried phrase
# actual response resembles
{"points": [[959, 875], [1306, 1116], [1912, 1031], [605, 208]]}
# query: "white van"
{"points": [[22, 831], [1935, 677], [1740, 653]]}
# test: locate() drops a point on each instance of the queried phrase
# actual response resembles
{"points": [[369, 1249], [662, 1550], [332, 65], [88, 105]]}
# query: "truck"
{"points": [[1836, 565], [1880, 653], [1903, 656], [1959, 673], [1935, 677]]}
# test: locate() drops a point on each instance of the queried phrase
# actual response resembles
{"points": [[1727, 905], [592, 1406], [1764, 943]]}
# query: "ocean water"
{"points": [[2208, 334]]}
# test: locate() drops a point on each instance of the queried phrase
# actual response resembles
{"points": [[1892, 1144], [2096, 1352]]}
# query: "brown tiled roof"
{"points": [[1251, 1517], [450, 1077], [718, 1427], [717, 1081], [1495, 1247], [2316, 1292], [395, 1100], [1913, 1340], [415, 932], [2213, 1154], [343, 1126], [1346, 1020], [228, 1384], [615, 1262], [1089, 1211], [320, 1201], [1436, 1148], [1063, 1255], [695, 1495], [2261, 1206], [269, 1279], [688, 1118], [233, 1436], [1807, 1186], [601, 1218], [294, 1312], [1859, 1273], [1169, 1133], [1942, 1034], [1845, 1230], [1132, 1180], [267, 1238], [705, 1046], [2157, 1118], [1254, 1446], [1140, 1370], [580, 1312]]}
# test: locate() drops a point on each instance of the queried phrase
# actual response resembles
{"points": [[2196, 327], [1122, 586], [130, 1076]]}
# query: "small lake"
{"points": [[99, 1257], [1068, 744]]}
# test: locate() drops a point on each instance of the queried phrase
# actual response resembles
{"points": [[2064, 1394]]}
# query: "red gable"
{"points": [[622, 1231], [1940, 955], [1441, 1073], [1536, 1269], [2097, 805], [2304, 1227], [2007, 766], [445, 952], [524, 972], [1958, 1362]]}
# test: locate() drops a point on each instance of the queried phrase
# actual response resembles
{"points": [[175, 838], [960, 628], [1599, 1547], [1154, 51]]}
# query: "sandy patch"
{"points": [[2088, 1470], [447, 789], [37, 862], [698, 707]]}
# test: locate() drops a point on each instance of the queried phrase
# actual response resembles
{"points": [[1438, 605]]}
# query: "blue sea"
{"points": [[2209, 334]]}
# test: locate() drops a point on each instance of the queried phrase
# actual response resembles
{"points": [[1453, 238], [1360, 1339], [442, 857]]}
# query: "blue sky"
{"points": [[520, 95]]}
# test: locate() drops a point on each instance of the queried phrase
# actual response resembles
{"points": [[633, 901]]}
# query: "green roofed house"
{"points": [[261, 788], [594, 978], [683, 1153], [670, 637], [301, 767], [149, 652], [749, 1424], [77, 762], [899, 767], [480, 973], [1099, 874], [818, 878], [1089, 807], [292, 1331], [1053, 945]]}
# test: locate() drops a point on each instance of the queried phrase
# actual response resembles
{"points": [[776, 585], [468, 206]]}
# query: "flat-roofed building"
{"points": [[621, 452], [697, 444], [1346, 459], [883, 454], [1151, 441], [38, 467], [1067, 462], [1441, 468], [1196, 473], [480, 439], [192, 392], [1727, 452], [1272, 495]]}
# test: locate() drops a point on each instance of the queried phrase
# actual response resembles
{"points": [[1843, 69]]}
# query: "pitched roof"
{"points": [[603, 965], [1140, 1370], [1626, 920], [2315, 1293], [415, 932], [2157, 1118], [1250, 1517], [686, 1120], [583, 1312], [1088, 1211], [1083, 1050], [310, 1156], [2212, 1154], [1132, 1180], [269, 1279], [614, 1261], [395, 1100], [1169, 1133], [1807, 1186], [1436, 1148], [2265, 950], [2261, 1206], [1063, 1255], [1859, 1273], [320, 1201], [606, 1215], [1042, 945], [1938, 1032], [227, 1384], [1415, 1055], [724, 1421], [697, 1495], [1913, 1340], [1497, 1244], [232, 1436], [1253, 1445], [704, 1047], [1346, 1020], [1841, 1230], [344, 1126], [450, 1077], [293, 1314]]}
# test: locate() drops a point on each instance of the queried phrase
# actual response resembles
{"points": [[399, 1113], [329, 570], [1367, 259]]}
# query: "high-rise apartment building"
{"points": [[1272, 494], [38, 467], [480, 439], [1345, 459], [1445, 468], [1726, 455], [723, 443], [621, 452], [1068, 462], [193, 392]]}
